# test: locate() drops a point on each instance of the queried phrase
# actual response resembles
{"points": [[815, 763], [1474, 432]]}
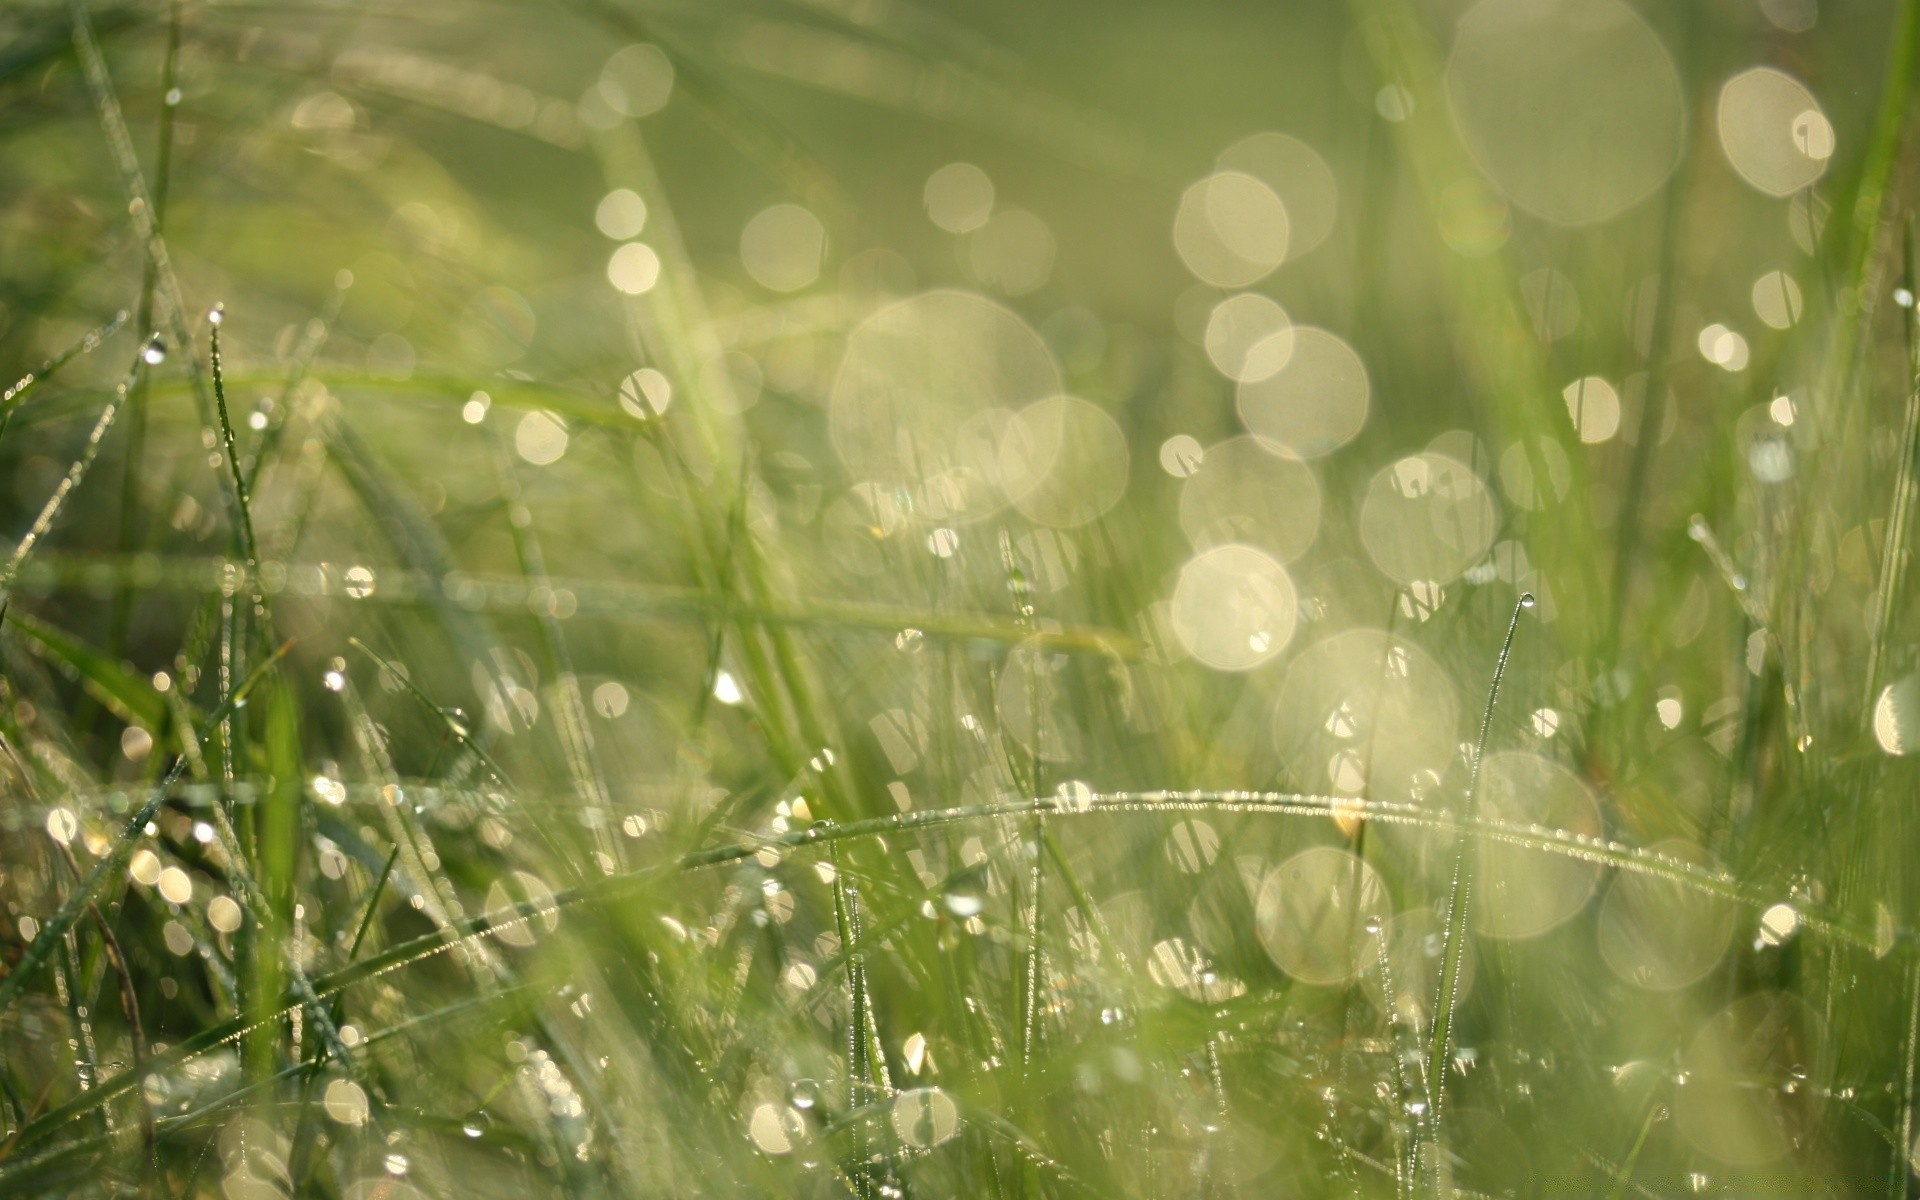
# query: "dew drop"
{"points": [[156, 351], [803, 1094], [1527, 600], [476, 1125], [217, 315]]}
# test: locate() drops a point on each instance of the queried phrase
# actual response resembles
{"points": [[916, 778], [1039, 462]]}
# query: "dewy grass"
{"points": [[586, 689]]}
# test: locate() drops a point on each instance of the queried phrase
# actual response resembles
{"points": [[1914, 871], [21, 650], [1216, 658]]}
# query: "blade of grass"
{"points": [[140, 206], [1453, 921], [115, 860], [76, 473], [15, 396], [125, 692]]}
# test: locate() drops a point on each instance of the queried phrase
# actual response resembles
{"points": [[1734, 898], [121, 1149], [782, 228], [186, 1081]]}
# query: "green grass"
{"points": [[432, 764]]}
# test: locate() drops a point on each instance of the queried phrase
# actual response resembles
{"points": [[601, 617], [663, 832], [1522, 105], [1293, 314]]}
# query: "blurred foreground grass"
{"points": [[861, 598]]}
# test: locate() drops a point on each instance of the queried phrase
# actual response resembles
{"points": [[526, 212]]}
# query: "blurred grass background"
{"points": [[622, 676]]}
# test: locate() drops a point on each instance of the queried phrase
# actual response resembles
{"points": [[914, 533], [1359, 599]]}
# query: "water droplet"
{"points": [[156, 351], [217, 315], [476, 1125], [803, 1094], [1527, 600]]}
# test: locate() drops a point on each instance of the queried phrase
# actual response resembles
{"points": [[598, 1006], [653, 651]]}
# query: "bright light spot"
{"points": [[914, 1051], [176, 887], [1781, 410], [959, 197], [1347, 771], [1233, 607], [345, 1102], [1723, 347], [634, 268], [1594, 406], [329, 789], [1312, 403], [475, 409], [1669, 710], [62, 825], [1249, 338], [1572, 108], [610, 699], [1394, 103], [1773, 131], [1298, 175], [359, 582], [1063, 461], [645, 393], [782, 248], [925, 1117], [768, 1129], [637, 81], [1192, 846], [1779, 923], [540, 438], [1896, 716], [144, 867], [1013, 252], [223, 914], [1546, 722], [1180, 455], [1309, 913], [1252, 491], [621, 214], [1776, 300], [943, 542], [1231, 229], [726, 690], [1427, 517]]}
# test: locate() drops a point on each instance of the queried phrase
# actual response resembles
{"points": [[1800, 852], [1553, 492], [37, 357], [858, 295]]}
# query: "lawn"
{"points": [[883, 599]]}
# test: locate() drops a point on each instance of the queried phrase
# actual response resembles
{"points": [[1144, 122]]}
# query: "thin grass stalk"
{"points": [[1454, 918]]}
